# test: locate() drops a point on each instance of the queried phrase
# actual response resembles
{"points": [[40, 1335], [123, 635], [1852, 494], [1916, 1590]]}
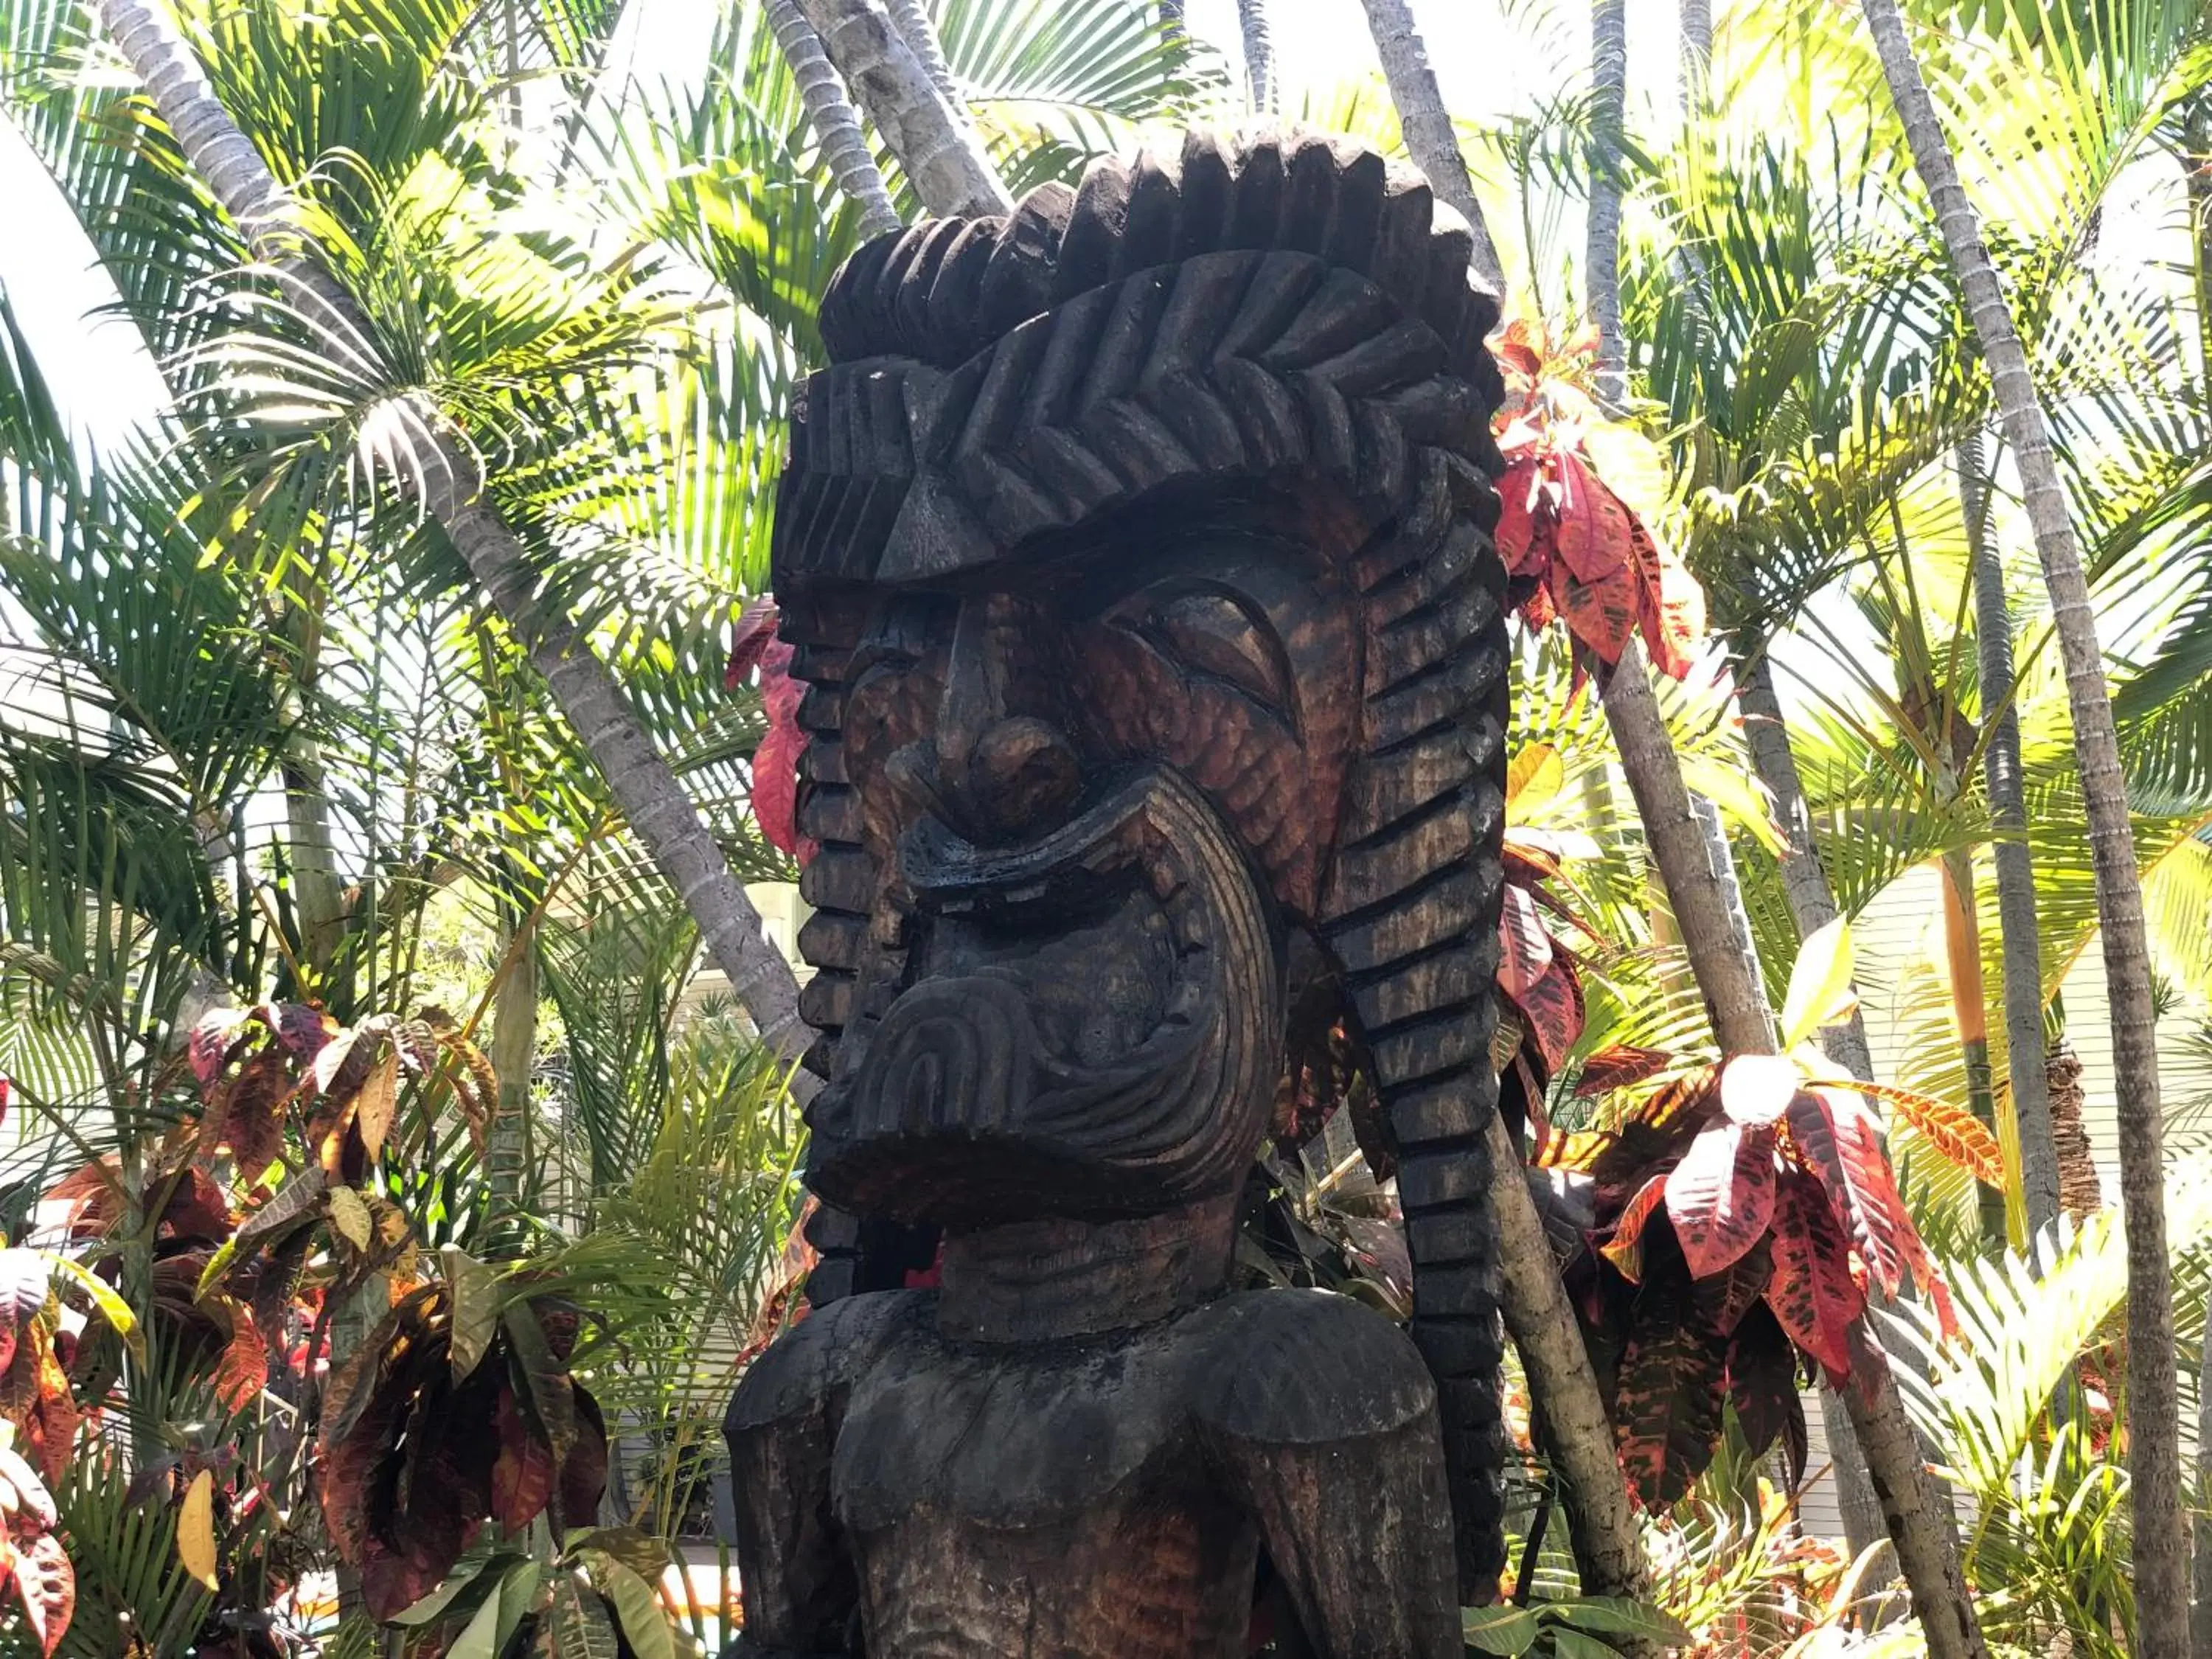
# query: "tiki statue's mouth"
{"points": [[1078, 1029]]}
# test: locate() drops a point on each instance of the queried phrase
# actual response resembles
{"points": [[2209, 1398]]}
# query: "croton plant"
{"points": [[408, 1414]]}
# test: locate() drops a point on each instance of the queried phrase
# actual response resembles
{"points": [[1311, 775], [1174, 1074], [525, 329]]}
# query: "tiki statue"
{"points": [[1135, 550]]}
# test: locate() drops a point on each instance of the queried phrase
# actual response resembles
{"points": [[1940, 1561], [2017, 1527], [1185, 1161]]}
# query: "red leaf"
{"points": [[1552, 1009], [775, 762], [1813, 1293], [1836, 1138], [248, 1120], [1525, 947], [1601, 614], [754, 634], [242, 1371], [1721, 1196], [1517, 522], [197, 1208], [583, 1479], [1723, 1300], [1667, 1412], [46, 1583], [522, 1478], [1672, 612], [210, 1042], [1762, 1373], [1597, 538], [1620, 1066], [302, 1031], [1626, 1248]]}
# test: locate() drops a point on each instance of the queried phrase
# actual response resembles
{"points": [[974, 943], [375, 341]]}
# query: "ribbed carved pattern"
{"points": [[1290, 305]]}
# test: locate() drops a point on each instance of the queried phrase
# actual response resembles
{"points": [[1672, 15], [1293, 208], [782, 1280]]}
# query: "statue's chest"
{"points": [[1010, 1437], [1009, 1502]]}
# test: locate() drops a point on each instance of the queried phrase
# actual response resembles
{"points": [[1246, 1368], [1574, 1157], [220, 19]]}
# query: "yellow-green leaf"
{"points": [[349, 1217], [644, 1622], [1631, 465], [112, 1308], [195, 1530], [1533, 780], [476, 1296], [1727, 788], [379, 1098], [1819, 984]]}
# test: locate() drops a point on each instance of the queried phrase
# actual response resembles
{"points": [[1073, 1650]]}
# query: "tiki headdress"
{"points": [[1195, 462]]}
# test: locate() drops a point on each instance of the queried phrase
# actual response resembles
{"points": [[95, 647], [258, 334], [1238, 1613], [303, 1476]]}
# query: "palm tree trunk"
{"points": [[2161, 1534], [1962, 961], [1696, 51], [942, 153], [1916, 1516], [2019, 932], [2196, 183], [1431, 138], [660, 814], [920, 34], [2201, 1617], [837, 127], [1609, 1546], [512, 1054], [1259, 53], [1812, 906], [1171, 21], [1609, 124]]}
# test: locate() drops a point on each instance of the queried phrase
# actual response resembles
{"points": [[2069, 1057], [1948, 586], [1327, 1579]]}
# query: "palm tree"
{"points": [[450, 485], [932, 139], [1430, 137], [836, 128], [1259, 53], [1610, 86], [2004, 782], [2154, 1451]]}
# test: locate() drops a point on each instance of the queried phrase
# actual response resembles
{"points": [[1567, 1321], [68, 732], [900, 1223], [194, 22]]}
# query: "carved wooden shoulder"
{"points": [[824, 1354], [1288, 1368]]}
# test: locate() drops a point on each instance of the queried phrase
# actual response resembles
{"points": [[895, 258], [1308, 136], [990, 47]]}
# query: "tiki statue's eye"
{"points": [[1216, 636]]}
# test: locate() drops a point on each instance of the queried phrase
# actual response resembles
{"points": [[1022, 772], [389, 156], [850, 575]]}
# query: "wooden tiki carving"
{"points": [[1135, 548]]}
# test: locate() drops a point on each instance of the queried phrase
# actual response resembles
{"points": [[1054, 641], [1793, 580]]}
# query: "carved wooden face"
{"points": [[1099, 783]]}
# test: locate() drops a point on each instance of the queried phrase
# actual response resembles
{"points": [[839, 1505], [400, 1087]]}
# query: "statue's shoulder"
{"points": [[828, 1349], [1298, 1367]]}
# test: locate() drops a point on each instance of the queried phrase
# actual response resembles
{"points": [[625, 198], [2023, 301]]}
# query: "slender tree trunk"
{"points": [[943, 157], [1259, 53], [513, 1055], [2197, 180], [1431, 138], [1812, 906], [1697, 51], [318, 895], [1609, 124], [2020, 933], [1609, 1546], [920, 34], [1962, 960], [2201, 1617], [2161, 1534], [1171, 20], [1914, 1511], [836, 126], [660, 813]]}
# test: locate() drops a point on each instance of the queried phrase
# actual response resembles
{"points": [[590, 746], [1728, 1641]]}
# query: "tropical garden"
{"points": [[401, 1136]]}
